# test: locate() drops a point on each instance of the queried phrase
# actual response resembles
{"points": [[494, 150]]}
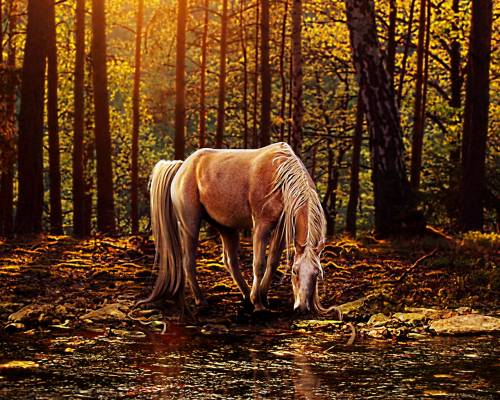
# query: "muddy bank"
{"points": [[394, 291]]}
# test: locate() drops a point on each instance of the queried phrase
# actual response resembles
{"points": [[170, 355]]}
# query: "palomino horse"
{"points": [[268, 190]]}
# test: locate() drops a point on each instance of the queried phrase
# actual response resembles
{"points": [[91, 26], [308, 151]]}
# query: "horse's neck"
{"points": [[302, 228]]}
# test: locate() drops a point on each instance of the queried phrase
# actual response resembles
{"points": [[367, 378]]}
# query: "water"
{"points": [[249, 363]]}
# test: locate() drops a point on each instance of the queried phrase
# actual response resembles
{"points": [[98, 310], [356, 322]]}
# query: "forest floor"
{"points": [[61, 283]]}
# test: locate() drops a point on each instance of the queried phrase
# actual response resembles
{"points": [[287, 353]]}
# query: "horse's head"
{"points": [[305, 272]]}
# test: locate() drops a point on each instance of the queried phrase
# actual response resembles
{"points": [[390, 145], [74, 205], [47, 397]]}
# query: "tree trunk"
{"points": [[53, 127], [472, 188], [255, 138], [391, 39], [79, 123], [105, 202], [221, 109], [203, 75], [419, 107], [455, 60], [352, 205], [243, 40], [394, 203], [456, 80], [134, 206], [297, 110], [405, 53], [265, 71], [7, 174], [30, 143], [282, 73], [180, 81]]}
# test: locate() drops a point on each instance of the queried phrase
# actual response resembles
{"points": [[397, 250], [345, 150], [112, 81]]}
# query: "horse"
{"points": [[268, 190]]}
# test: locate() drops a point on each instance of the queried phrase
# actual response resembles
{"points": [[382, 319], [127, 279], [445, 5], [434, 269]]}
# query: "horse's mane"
{"points": [[295, 184]]}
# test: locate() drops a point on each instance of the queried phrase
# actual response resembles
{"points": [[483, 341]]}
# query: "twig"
{"points": [[416, 264]]}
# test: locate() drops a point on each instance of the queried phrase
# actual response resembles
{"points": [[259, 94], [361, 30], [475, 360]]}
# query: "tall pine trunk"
{"points": [[419, 106], [180, 81], [406, 52], [265, 72], [134, 206], [105, 202], [7, 174], [243, 42], [79, 123], [221, 108], [475, 131], [456, 80], [282, 73], [391, 39], [53, 128], [394, 203], [352, 204], [203, 76], [255, 132], [297, 110], [30, 142]]}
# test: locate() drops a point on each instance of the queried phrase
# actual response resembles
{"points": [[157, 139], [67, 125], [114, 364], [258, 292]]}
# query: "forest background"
{"points": [[249, 73]]}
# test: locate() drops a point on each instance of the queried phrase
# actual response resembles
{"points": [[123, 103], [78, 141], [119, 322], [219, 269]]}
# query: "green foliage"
{"points": [[330, 91]]}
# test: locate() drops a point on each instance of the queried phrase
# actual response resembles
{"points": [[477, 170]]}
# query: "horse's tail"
{"points": [[170, 281]]}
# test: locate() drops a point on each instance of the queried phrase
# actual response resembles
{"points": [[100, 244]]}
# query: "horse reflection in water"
{"points": [[268, 190]]}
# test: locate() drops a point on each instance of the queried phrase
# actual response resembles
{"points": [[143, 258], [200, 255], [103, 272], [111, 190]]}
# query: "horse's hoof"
{"points": [[262, 315], [259, 309], [202, 303]]}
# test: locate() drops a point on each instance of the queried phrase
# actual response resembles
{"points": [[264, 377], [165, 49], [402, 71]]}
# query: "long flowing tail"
{"points": [[170, 281]]}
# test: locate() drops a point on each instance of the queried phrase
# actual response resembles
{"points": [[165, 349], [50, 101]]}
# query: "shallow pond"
{"points": [[258, 363]]}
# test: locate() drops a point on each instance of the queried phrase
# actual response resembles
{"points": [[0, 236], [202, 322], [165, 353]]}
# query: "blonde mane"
{"points": [[295, 184]]}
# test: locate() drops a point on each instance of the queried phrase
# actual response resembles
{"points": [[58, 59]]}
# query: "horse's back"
{"points": [[232, 185]]}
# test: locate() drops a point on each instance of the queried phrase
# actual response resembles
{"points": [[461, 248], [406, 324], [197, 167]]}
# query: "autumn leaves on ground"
{"points": [[59, 283]]}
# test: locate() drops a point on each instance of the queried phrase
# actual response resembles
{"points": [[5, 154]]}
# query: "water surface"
{"points": [[253, 364]]}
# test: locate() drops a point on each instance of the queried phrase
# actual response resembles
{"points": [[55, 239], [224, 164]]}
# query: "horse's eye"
{"points": [[294, 271]]}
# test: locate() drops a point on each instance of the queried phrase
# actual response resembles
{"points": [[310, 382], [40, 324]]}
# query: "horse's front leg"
{"points": [[260, 239], [273, 260], [231, 244]]}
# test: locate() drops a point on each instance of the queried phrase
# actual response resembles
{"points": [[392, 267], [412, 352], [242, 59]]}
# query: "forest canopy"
{"points": [[93, 93]]}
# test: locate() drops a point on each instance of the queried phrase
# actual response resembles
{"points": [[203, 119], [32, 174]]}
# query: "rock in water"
{"points": [[466, 324], [29, 313], [114, 311]]}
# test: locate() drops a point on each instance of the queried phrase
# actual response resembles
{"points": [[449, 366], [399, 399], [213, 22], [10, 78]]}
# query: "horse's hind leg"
{"points": [[231, 243], [189, 243], [273, 260]]}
